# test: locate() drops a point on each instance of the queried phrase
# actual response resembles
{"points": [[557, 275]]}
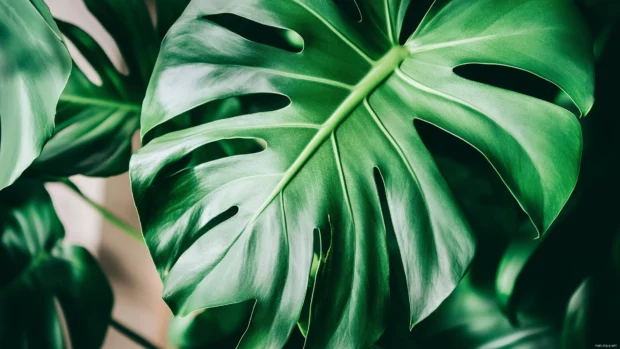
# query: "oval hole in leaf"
{"points": [[319, 251], [214, 151], [399, 297], [350, 8], [284, 39], [414, 15], [516, 80], [215, 221], [221, 109], [240, 105], [385, 211]]}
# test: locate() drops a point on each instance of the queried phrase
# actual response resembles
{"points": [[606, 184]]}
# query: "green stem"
{"points": [[109, 216], [132, 335]]}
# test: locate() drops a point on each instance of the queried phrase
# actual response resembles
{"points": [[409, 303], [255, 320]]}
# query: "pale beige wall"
{"points": [[136, 285]]}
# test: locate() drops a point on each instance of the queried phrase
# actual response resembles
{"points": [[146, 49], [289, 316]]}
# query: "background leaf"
{"points": [[39, 271], [34, 67], [96, 123]]}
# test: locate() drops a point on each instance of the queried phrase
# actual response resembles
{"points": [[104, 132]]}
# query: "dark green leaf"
{"points": [[245, 227], [39, 271]]}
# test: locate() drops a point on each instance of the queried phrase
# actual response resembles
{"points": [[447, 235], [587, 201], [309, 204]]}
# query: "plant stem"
{"points": [[109, 216], [132, 335]]}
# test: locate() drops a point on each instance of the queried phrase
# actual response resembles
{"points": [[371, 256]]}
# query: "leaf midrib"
{"points": [[379, 72]]}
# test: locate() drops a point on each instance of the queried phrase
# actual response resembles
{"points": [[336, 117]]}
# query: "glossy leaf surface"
{"points": [[253, 226], [41, 276], [34, 67]]}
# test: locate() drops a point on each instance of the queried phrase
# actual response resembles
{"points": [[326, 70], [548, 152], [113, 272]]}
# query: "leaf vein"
{"points": [[335, 31]]}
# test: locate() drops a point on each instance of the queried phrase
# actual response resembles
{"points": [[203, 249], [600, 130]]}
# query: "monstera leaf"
{"points": [[34, 67], [95, 123], [309, 210], [39, 271]]}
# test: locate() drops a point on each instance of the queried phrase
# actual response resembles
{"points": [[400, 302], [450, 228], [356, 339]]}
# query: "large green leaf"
{"points": [[95, 123], [38, 270], [34, 67], [249, 226]]}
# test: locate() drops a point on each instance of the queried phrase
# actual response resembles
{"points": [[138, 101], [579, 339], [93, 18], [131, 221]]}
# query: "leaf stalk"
{"points": [[132, 335], [109, 216]]}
